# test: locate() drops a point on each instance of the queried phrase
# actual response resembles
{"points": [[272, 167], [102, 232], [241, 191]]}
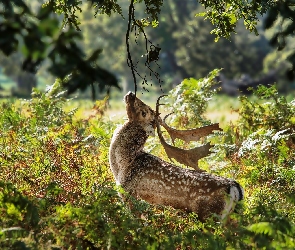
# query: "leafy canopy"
{"points": [[39, 34]]}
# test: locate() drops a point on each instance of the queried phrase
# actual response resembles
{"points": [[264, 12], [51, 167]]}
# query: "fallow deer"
{"points": [[156, 181]]}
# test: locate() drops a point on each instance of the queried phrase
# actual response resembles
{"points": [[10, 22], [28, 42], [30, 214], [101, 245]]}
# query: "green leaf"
{"points": [[262, 228]]}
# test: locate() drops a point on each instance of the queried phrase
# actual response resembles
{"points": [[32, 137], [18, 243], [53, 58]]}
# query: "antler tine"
{"points": [[163, 121], [158, 104], [190, 134], [165, 117]]}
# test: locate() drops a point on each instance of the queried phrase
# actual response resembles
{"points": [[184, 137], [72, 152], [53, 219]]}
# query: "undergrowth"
{"points": [[57, 192]]}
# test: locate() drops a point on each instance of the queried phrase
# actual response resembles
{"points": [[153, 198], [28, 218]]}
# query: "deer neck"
{"points": [[127, 143]]}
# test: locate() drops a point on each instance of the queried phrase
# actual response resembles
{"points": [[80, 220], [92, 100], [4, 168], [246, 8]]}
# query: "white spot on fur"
{"points": [[149, 129]]}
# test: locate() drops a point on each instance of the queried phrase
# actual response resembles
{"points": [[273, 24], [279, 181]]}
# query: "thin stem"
{"points": [[129, 58]]}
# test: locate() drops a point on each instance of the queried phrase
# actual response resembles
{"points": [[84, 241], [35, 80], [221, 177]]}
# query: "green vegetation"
{"points": [[57, 192], [83, 42]]}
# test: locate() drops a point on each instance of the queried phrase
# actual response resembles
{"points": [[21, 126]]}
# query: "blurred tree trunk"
{"points": [[26, 82]]}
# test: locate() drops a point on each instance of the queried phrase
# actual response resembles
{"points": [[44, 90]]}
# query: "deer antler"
{"points": [[190, 134], [187, 157]]}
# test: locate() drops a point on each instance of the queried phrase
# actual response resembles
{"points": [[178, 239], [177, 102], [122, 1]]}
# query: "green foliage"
{"points": [[280, 20], [197, 53], [57, 192], [263, 146], [225, 15], [188, 101], [277, 113], [38, 36]]}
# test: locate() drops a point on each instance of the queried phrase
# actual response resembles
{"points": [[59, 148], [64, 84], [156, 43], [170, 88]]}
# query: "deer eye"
{"points": [[143, 114]]}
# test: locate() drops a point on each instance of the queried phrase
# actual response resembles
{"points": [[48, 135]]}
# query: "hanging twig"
{"points": [[129, 58], [152, 52]]}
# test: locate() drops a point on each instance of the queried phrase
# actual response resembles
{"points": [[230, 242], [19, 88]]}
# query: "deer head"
{"points": [[140, 113]]}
